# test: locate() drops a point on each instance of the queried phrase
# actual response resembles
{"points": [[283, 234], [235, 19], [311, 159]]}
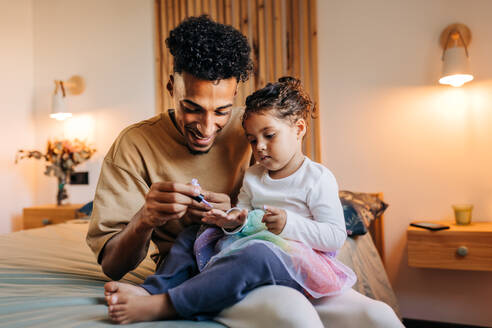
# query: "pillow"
{"points": [[360, 209], [87, 209]]}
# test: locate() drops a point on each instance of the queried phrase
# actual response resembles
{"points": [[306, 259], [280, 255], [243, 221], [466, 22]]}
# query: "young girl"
{"points": [[285, 230]]}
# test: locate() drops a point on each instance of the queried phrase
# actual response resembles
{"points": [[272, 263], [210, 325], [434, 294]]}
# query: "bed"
{"points": [[50, 278]]}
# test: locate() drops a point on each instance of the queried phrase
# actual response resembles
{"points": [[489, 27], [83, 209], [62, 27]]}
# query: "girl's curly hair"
{"points": [[286, 99], [209, 50]]}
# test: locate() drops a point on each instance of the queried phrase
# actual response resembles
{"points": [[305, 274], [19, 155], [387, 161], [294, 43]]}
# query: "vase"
{"points": [[62, 191]]}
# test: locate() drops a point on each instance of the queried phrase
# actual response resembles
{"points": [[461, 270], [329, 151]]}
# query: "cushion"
{"points": [[87, 208], [360, 209]]}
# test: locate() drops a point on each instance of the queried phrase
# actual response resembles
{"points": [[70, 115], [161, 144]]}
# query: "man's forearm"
{"points": [[126, 249]]}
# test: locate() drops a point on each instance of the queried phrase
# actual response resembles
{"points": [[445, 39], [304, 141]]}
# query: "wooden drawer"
{"points": [[40, 216], [460, 247]]}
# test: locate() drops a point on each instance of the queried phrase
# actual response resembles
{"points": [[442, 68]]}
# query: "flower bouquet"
{"points": [[62, 157]]}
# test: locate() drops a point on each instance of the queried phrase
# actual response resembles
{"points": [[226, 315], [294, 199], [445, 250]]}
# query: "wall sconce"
{"points": [[454, 41], [74, 86]]}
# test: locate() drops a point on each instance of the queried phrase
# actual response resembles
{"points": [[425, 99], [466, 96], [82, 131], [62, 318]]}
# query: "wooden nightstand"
{"points": [[461, 247], [43, 215]]}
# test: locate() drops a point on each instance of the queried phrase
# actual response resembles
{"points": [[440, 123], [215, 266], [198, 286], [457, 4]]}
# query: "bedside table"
{"points": [[461, 247], [43, 215]]}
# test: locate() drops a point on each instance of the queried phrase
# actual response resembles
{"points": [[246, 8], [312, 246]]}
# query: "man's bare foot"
{"points": [[127, 308], [114, 287]]}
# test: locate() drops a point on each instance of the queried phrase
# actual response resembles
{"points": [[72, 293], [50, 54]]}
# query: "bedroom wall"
{"points": [[111, 45], [388, 126], [16, 85]]}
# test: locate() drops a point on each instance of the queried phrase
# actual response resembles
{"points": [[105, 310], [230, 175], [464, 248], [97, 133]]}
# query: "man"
{"points": [[144, 192]]}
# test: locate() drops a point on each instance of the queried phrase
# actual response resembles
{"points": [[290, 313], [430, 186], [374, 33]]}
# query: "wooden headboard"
{"points": [[376, 230]]}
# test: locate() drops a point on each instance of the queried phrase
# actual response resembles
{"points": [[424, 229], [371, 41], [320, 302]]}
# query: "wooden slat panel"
{"points": [[169, 17], [168, 62], [240, 9], [313, 31], [198, 7], [282, 35], [253, 35], [262, 70], [269, 45], [176, 19], [246, 20], [206, 6], [213, 9], [220, 11], [296, 40], [279, 55], [158, 55], [190, 7], [236, 15], [294, 67], [182, 10], [289, 45], [228, 12], [305, 70]]}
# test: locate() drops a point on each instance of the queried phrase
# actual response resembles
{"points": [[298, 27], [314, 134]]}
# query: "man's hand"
{"points": [[167, 201], [275, 219], [197, 211], [229, 221]]}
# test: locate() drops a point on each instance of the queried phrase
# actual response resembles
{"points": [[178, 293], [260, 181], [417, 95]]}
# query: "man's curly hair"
{"points": [[209, 50]]}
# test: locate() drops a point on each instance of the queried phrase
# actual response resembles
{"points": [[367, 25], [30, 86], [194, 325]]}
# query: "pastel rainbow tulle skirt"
{"points": [[319, 273]]}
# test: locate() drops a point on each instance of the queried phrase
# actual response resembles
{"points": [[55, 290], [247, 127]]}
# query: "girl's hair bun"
{"points": [[286, 98], [289, 79], [271, 90]]}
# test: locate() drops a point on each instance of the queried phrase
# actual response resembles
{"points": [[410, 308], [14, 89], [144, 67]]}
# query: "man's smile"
{"points": [[199, 140]]}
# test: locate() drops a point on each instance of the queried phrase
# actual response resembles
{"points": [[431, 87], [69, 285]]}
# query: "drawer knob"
{"points": [[46, 221], [462, 251]]}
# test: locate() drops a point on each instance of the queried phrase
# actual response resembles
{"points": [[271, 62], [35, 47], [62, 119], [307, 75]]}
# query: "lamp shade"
{"points": [[456, 67], [59, 106]]}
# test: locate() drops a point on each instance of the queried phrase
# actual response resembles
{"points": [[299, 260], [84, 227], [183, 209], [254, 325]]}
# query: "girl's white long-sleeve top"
{"points": [[310, 198]]}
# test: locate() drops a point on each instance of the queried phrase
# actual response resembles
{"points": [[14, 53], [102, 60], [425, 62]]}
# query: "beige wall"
{"points": [[388, 126], [110, 44], [16, 85]]}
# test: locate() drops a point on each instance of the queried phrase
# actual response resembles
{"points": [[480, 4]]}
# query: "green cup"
{"points": [[463, 213]]}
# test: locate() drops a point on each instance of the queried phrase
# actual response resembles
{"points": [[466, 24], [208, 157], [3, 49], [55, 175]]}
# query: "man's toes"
{"points": [[111, 287]]}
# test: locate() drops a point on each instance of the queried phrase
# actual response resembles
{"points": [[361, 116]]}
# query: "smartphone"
{"points": [[429, 225]]}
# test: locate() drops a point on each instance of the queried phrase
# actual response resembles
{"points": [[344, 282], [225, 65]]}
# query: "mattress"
{"points": [[50, 278]]}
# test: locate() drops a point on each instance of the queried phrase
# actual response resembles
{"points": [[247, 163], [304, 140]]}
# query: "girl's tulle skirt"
{"points": [[319, 273]]}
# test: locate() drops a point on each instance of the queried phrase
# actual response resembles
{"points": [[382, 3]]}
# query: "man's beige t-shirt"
{"points": [[153, 151]]}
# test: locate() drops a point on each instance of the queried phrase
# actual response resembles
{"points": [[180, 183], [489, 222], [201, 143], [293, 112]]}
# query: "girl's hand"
{"points": [[275, 219], [197, 211], [227, 221]]}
